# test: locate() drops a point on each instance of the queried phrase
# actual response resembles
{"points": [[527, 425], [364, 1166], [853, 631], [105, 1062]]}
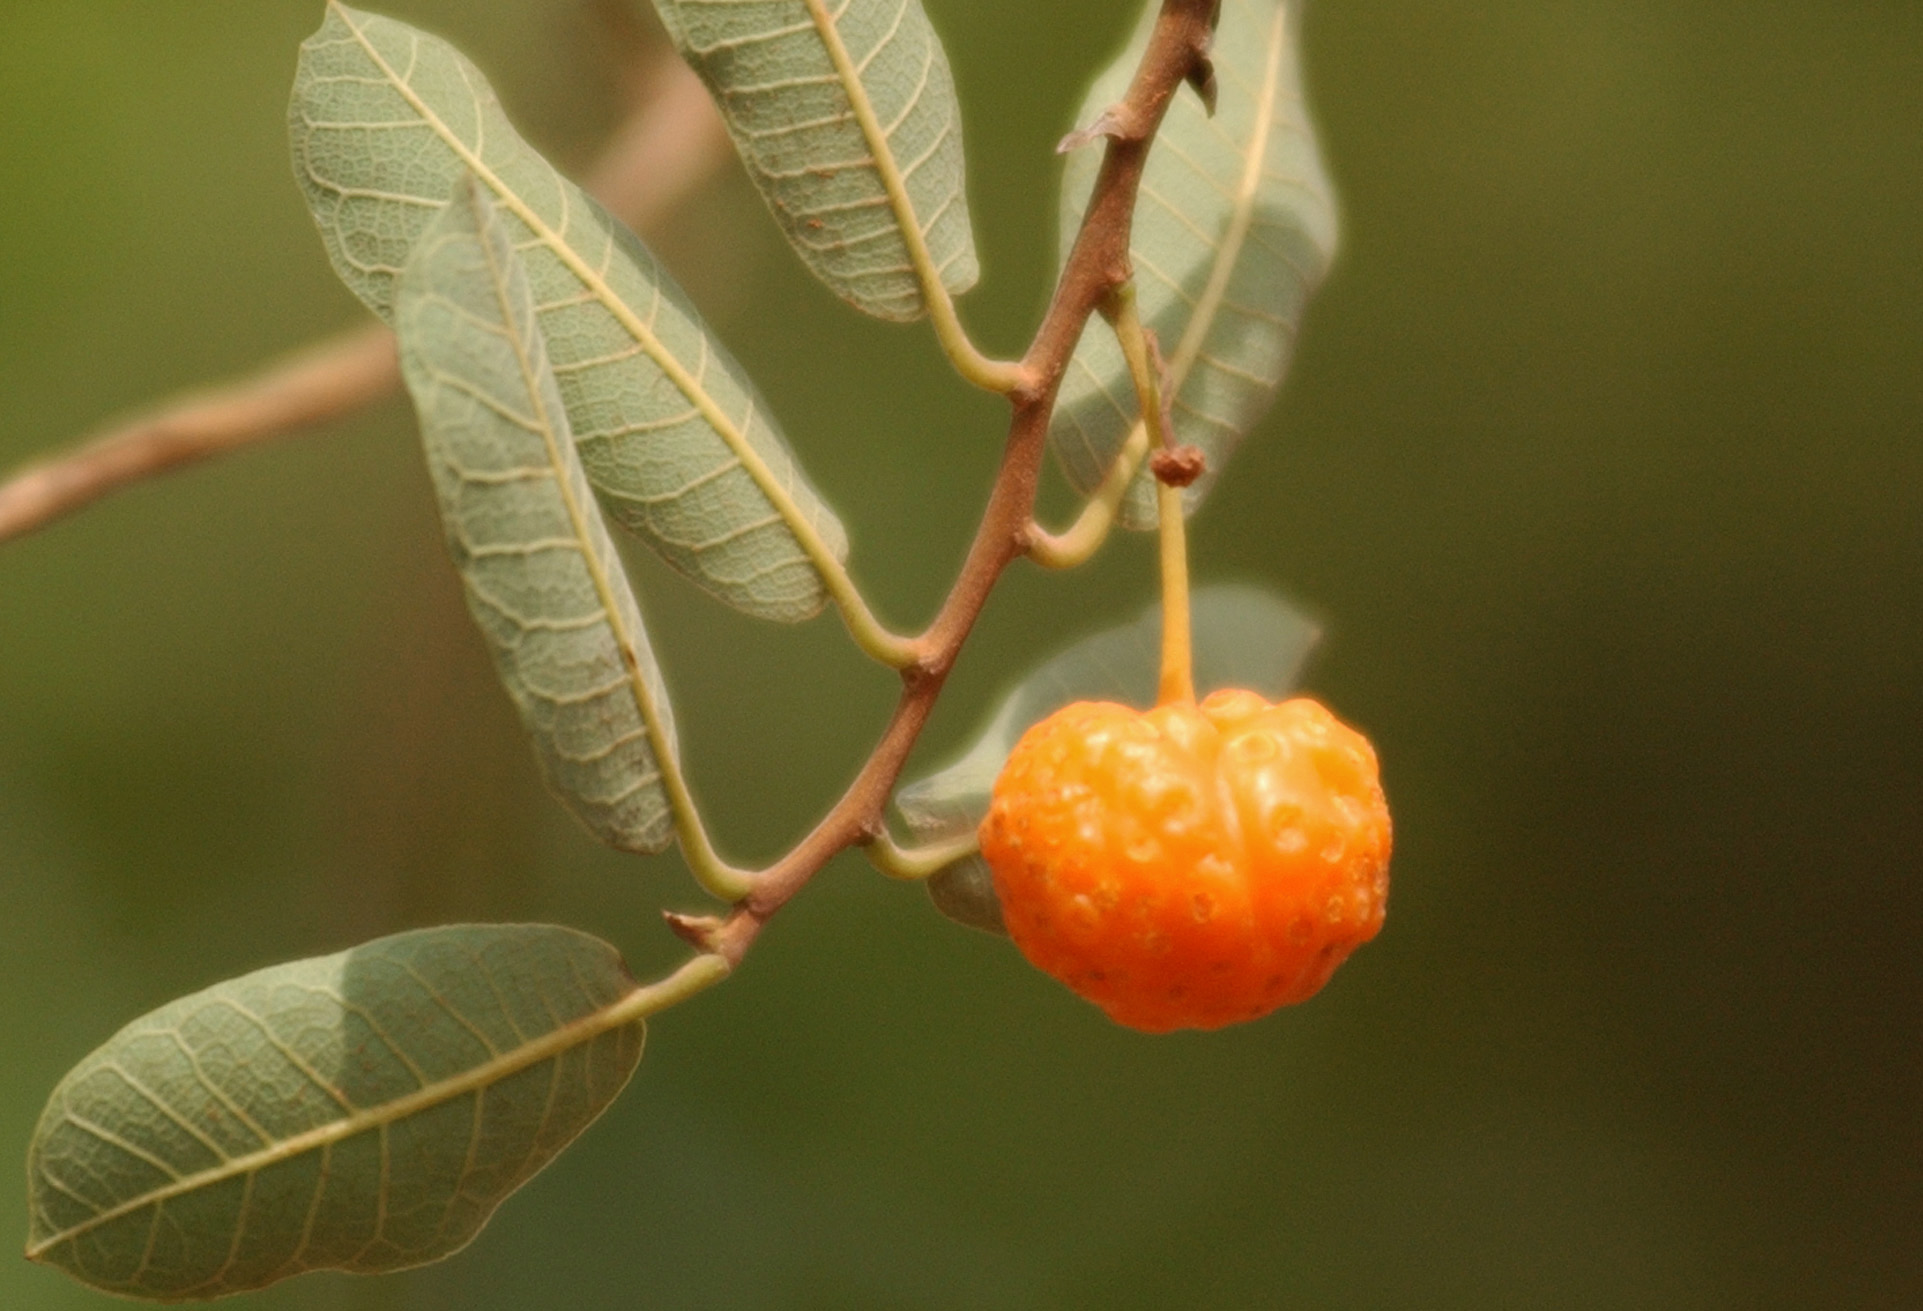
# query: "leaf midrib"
{"points": [[634, 1006], [881, 152], [625, 642]]}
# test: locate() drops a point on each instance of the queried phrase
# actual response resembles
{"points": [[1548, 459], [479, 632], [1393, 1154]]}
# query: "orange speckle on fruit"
{"points": [[1190, 866]]}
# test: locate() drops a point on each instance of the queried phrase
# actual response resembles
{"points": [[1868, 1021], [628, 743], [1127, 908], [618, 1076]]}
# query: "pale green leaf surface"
{"points": [[965, 892], [365, 1111], [1234, 231], [542, 577], [793, 116], [384, 120], [1241, 636]]}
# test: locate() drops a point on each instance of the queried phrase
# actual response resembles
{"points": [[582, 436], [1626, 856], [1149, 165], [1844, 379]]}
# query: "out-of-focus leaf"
{"points": [[1242, 637], [385, 120], [965, 892], [795, 79], [542, 577], [1234, 231], [365, 1111]]}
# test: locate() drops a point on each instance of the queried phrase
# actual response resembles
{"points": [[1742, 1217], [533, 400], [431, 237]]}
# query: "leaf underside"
{"points": [[793, 119], [384, 122], [363, 1112], [1234, 231], [1242, 637], [542, 577]]}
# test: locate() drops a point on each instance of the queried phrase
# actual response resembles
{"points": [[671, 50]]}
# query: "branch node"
{"points": [[931, 664], [1201, 77], [1119, 122], [702, 932], [1031, 391]]}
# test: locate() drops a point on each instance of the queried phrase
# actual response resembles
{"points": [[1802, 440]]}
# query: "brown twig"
{"points": [[669, 144], [323, 382], [1098, 265]]}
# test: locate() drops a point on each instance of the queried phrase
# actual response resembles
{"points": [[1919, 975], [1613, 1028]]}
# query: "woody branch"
{"points": [[1097, 267]]}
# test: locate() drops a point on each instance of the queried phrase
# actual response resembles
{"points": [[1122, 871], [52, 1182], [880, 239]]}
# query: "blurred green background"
{"points": [[1602, 460]]}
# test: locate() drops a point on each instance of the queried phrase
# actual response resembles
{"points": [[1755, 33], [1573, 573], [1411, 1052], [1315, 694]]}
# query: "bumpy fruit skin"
{"points": [[1190, 866]]}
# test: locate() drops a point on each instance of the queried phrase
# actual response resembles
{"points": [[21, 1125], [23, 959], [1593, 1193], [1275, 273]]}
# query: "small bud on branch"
{"points": [[1179, 467]]}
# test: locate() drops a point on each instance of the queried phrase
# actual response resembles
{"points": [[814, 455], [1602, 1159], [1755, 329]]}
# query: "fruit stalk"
{"points": [[1178, 664], [1174, 468]]}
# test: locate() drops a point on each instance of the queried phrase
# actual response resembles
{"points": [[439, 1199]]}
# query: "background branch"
{"points": [[668, 145]]}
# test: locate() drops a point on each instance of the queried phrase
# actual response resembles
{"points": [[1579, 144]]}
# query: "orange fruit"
{"points": [[1190, 866]]}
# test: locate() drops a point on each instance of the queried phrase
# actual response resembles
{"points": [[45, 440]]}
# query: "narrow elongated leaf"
{"points": [[365, 1111], [826, 101], [1242, 637], [542, 577], [384, 120], [1234, 231]]}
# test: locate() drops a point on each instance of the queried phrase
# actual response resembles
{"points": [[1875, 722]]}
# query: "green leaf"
{"points": [[1234, 230], [364, 1112], [965, 893], [384, 121], [1242, 637], [831, 112], [542, 577]]}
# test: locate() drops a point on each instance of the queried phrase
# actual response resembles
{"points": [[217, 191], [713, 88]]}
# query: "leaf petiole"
{"points": [[1002, 376], [913, 863], [877, 641], [716, 876], [1077, 544], [1178, 662]]}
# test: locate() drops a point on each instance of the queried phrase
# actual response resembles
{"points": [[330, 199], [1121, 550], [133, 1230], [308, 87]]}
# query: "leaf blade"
{"points": [[679, 446], [251, 1131], [848, 124], [1235, 230], [542, 577]]}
